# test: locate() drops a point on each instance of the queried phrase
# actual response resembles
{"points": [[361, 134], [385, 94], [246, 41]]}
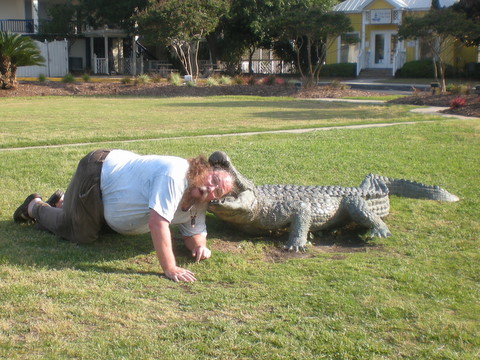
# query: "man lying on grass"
{"points": [[134, 194]]}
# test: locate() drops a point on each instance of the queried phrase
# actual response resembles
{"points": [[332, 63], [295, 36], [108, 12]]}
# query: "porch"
{"points": [[17, 26], [113, 51]]}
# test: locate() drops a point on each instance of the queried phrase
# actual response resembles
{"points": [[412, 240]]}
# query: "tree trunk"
{"points": [[196, 69], [442, 67], [251, 51], [8, 73], [311, 80]]}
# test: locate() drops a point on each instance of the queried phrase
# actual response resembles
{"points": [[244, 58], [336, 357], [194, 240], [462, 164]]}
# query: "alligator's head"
{"points": [[238, 209], [240, 206]]}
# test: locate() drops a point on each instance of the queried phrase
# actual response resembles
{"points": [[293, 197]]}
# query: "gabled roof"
{"points": [[359, 5]]}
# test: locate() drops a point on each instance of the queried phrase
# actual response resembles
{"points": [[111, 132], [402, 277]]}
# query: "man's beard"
{"points": [[188, 201], [203, 194]]}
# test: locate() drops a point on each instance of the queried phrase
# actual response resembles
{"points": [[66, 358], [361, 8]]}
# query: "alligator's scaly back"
{"points": [[407, 188]]}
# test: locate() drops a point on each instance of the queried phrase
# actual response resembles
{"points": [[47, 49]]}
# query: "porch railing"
{"points": [[398, 61], [268, 67], [360, 61], [17, 26], [100, 65]]}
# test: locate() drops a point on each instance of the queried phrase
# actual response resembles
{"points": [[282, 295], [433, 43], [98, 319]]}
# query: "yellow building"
{"points": [[376, 23]]}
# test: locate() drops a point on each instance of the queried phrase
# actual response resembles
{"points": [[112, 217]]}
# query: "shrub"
{"points": [[261, 81], [126, 80], [335, 84], [458, 102], [458, 89], [339, 70], [142, 79], [472, 70], [175, 79], [252, 81], [211, 81], [225, 80], [239, 80], [68, 78], [86, 77], [269, 80], [156, 78], [191, 83], [42, 78], [420, 69]]}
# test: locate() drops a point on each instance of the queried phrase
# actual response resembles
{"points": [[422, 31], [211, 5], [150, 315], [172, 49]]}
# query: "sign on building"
{"points": [[383, 16]]}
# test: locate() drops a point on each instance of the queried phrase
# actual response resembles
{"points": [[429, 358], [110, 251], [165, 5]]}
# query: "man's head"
{"points": [[205, 183], [216, 184]]}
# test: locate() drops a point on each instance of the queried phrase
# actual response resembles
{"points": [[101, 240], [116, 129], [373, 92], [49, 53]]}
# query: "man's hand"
{"points": [[197, 244], [162, 241], [179, 274], [201, 253]]}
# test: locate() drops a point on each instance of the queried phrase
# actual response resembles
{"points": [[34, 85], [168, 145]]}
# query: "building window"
{"points": [[349, 47]]}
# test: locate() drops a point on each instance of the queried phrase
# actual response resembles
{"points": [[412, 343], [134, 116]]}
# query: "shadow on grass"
{"points": [[23, 245], [349, 239], [263, 103]]}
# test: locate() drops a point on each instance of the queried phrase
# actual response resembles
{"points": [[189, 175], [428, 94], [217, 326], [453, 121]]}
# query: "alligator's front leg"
{"points": [[359, 212], [300, 219]]}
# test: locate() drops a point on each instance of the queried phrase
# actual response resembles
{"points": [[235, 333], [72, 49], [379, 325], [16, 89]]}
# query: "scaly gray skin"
{"points": [[303, 209]]}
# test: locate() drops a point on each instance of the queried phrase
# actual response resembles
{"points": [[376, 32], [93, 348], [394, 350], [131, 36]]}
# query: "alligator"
{"points": [[302, 210]]}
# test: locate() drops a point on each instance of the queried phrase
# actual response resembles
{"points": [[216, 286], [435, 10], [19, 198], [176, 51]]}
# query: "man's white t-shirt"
{"points": [[133, 184]]}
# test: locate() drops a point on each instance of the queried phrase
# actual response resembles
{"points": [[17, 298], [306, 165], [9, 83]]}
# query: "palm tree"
{"points": [[16, 50]]}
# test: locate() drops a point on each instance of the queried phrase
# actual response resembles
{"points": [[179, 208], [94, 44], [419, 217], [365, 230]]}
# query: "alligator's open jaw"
{"points": [[223, 200]]}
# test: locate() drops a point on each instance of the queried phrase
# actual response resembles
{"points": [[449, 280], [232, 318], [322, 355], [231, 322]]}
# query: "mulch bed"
{"points": [[471, 108]]}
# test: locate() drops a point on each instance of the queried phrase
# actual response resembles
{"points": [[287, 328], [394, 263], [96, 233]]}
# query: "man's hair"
{"points": [[197, 171]]}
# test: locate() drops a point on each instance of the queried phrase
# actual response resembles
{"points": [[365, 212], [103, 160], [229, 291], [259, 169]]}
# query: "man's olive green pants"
{"points": [[81, 217]]}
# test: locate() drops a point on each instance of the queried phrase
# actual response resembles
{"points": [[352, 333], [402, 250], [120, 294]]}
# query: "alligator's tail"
{"points": [[408, 188]]}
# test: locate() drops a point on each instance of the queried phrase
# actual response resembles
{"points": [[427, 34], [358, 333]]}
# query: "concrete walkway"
{"points": [[290, 131]]}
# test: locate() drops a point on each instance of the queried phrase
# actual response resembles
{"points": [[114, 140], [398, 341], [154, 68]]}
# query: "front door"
{"points": [[383, 47]]}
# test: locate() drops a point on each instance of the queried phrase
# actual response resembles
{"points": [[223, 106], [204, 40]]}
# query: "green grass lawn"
{"points": [[65, 120], [414, 295]]}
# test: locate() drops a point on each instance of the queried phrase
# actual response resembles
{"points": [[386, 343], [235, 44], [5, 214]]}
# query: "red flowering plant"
{"points": [[458, 102]]}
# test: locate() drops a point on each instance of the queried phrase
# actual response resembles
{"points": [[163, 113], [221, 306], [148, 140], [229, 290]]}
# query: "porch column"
{"points": [[93, 57], [134, 55], [35, 16], [105, 42], [363, 50]]}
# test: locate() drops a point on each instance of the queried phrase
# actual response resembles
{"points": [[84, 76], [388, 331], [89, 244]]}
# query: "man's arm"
{"points": [[162, 241], [197, 244]]}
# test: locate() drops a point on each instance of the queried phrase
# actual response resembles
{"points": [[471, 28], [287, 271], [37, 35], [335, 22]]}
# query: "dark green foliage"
{"points": [[472, 71], [16, 50], [339, 70], [181, 25], [471, 8], [420, 69], [312, 30], [115, 14], [68, 78]]}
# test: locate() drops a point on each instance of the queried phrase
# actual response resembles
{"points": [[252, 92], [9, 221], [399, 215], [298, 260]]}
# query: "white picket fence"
{"points": [[55, 54]]}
